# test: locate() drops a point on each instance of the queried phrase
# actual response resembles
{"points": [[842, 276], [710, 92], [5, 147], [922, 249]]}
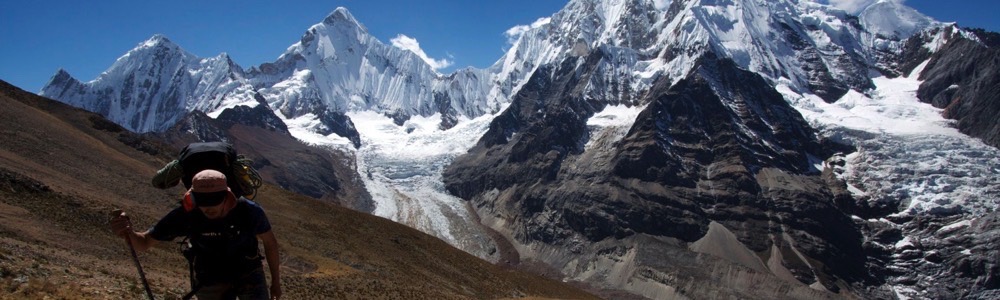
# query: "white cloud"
{"points": [[515, 32], [407, 43], [855, 6]]}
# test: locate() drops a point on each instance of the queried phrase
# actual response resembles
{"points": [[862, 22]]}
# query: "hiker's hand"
{"points": [[120, 224], [275, 290]]}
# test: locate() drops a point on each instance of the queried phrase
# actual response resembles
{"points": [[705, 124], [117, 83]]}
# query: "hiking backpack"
{"points": [[241, 177]]}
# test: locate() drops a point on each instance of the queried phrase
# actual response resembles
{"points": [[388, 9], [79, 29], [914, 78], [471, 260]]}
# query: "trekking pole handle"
{"points": [[135, 257]]}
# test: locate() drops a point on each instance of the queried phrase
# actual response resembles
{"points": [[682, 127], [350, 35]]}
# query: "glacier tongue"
{"points": [[401, 167]]}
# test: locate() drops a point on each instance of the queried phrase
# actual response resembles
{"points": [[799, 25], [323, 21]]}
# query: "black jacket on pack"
{"points": [[241, 178]]}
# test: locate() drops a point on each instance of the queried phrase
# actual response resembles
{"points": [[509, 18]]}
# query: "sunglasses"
{"points": [[209, 199]]}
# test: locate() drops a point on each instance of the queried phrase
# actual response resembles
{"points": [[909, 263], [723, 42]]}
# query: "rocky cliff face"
{"points": [[716, 162], [936, 256], [962, 77]]}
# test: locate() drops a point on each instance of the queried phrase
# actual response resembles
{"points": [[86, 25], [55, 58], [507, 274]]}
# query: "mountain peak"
{"points": [[341, 15], [338, 20], [63, 79], [159, 46], [892, 18], [62, 73], [157, 40]]}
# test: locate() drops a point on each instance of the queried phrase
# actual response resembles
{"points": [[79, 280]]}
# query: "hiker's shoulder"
{"points": [[177, 212], [243, 201], [175, 219], [249, 205]]}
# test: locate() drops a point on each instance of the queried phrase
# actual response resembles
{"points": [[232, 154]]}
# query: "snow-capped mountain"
{"points": [[665, 148], [578, 196], [337, 65], [153, 86], [817, 48]]}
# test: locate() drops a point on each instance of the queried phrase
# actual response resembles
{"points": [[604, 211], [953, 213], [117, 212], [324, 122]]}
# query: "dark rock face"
{"points": [[18, 183], [953, 257], [341, 124], [197, 126], [720, 146], [725, 132], [963, 77], [914, 53], [260, 116], [990, 39], [979, 267], [544, 123], [821, 81], [449, 116]]}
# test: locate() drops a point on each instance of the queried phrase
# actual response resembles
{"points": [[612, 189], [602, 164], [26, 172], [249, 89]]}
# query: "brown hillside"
{"points": [[62, 170]]}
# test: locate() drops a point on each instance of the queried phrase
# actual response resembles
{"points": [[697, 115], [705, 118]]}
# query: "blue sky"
{"points": [[85, 37]]}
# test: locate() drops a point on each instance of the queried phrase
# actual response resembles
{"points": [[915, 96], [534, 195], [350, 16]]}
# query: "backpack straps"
{"points": [[190, 254]]}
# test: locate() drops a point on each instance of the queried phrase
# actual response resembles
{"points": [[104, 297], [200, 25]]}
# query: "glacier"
{"points": [[908, 154], [908, 158]]}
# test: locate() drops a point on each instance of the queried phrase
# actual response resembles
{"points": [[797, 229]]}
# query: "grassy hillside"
{"points": [[62, 170]]}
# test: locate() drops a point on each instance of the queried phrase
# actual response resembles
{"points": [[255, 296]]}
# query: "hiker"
{"points": [[222, 231]]}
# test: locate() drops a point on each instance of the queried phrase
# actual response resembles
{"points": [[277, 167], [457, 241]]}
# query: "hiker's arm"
{"points": [[273, 261], [122, 227], [142, 241]]}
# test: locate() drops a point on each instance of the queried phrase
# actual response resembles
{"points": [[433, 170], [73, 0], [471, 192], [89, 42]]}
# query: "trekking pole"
{"points": [[135, 259]]}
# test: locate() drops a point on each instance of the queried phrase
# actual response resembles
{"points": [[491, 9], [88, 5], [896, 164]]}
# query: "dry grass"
{"points": [[60, 176]]}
